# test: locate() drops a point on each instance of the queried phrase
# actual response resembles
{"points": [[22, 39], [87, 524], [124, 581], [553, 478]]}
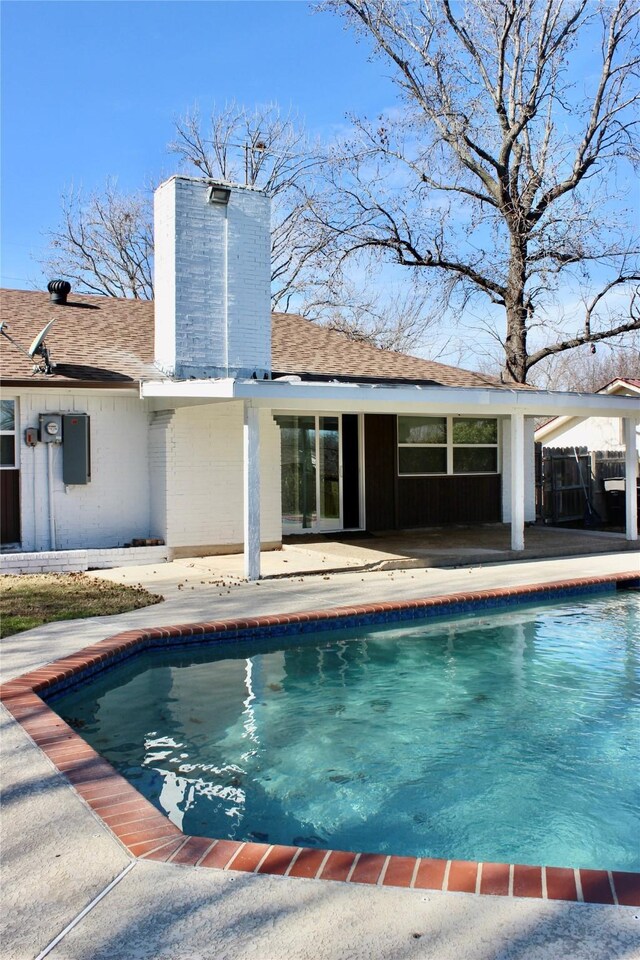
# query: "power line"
{"points": [[6, 276]]}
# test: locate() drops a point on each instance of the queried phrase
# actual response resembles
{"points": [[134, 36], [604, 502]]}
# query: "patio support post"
{"points": [[517, 481], [251, 463], [631, 474]]}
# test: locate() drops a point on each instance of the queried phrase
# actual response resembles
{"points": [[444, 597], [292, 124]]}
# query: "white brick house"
{"points": [[208, 424]]}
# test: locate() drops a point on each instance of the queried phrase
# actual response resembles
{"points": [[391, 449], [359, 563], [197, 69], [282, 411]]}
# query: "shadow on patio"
{"points": [[435, 547]]}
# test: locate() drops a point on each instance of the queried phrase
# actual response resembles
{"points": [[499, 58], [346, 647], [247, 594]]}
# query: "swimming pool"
{"points": [[505, 736]]}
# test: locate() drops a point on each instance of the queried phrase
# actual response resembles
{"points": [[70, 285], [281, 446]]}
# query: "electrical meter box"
{"points": [[76, 448], [51, 428]]}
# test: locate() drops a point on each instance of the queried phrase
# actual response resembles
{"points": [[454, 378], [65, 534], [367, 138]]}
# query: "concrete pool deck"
{"points": [[57, 857]]}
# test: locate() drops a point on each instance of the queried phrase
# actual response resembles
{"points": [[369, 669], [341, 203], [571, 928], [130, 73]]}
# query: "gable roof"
{"points": [[105, 340], [620, 384], [556, 426]]}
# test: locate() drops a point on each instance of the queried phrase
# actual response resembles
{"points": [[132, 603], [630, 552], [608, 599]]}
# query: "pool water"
{"points": [[510, 737]]}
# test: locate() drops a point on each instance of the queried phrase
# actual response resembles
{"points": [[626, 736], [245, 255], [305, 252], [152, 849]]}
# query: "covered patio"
{"points": [[513, 410]]}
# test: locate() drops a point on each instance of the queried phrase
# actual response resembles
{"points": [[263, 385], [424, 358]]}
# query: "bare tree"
{"points": [[104, 243], [392, 316], [496, 174], [270, 150], [588, 368], [267, 149]]}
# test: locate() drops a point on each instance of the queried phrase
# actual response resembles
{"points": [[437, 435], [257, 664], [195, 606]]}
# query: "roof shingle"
{"points": [[109, 340]]}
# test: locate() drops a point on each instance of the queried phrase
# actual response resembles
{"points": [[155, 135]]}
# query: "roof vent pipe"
{"points": [[59, 290]]}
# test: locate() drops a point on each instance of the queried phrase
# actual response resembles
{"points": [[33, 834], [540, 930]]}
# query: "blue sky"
{"points": [[91, 88]]}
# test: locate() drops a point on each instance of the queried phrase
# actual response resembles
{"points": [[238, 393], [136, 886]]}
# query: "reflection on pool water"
{"points": [[510, 737]]}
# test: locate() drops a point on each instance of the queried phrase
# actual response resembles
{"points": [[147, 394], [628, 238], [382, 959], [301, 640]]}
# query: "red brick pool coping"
{"points": [[149, 835]]}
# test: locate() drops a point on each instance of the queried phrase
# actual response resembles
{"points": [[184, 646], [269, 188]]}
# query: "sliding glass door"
{"points": [[328, 473], [298, 453], [311, 474]]}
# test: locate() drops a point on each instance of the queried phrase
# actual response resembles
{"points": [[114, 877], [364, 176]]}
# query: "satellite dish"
{"points": [[36, 347]]}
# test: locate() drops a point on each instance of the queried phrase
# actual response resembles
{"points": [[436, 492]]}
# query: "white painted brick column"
{"points": [[631, 476], [251, 472]]}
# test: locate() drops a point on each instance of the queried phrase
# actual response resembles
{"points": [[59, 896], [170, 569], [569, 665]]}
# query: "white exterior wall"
{"points": [[596, 433], [113, 508], [202, 450], [529, 470], [170, 474], [212, 287]]}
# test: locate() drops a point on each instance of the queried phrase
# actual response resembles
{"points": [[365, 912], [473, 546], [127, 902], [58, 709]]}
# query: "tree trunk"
{"points": [[515, 369]]}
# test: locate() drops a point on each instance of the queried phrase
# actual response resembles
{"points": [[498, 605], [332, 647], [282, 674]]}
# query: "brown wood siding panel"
{"points": [[350, 472], [9, 506], [380, 471], [431, 501]]}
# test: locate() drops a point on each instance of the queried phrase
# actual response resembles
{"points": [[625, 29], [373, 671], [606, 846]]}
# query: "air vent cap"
{"points": [[59, 290]]}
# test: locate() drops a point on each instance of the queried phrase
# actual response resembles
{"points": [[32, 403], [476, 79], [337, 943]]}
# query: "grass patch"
{"points": [[33, 599]]}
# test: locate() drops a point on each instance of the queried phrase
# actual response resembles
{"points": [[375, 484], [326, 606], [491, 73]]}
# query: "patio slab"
{"points": [[458, 545], [437, 548], [161, 911]]}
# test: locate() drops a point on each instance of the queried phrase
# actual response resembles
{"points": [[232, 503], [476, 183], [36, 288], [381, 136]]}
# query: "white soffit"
{"points": [[385, 398]]}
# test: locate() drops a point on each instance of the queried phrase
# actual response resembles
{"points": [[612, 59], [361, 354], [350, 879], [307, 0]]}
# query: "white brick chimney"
{"points": [[212, 279]]}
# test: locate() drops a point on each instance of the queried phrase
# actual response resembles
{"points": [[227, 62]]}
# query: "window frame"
{"points": [[450, 447], [15, 433]]}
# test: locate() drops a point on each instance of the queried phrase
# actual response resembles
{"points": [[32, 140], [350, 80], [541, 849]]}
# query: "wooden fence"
{"points": [[570, 485]]}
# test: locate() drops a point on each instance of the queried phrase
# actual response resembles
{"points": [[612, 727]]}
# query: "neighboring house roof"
{"points": [[556, 426], [108, 340], [620, 385]]}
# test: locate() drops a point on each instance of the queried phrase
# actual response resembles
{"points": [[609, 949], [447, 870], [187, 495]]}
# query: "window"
{"points": [[7, 433], [446, 445], [475, 445], [422, 445]]}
